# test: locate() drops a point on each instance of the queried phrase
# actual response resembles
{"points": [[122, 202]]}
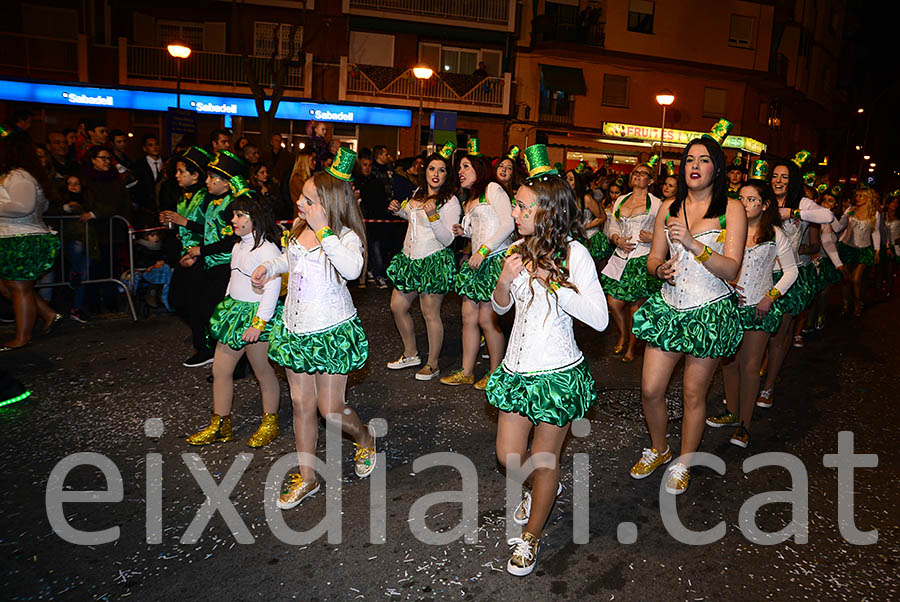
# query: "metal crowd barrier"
{"points": [[111, 277]]}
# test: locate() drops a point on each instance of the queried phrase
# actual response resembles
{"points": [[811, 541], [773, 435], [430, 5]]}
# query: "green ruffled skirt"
{"points": [[854, 256], [340, 349], [479, 285], [599, 246], [554, 397], [711, 330], [232, 317], [433, 274], [635, 283], [827, 273], [801, 293], [27, 257], [770, 323]]}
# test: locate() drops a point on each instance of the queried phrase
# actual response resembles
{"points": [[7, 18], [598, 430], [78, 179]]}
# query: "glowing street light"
{"points": [[866, 157], [871, 165], [422, 73], [664, 98], [860, 110], [179, 51]]}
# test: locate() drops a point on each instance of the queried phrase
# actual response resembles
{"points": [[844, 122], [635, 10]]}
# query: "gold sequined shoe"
{"points": [[365, 457], [524, 554], [218, 431], [618, 349], [650, 461], [267, 431], [481, 385], [296, 492], [677, 479], [458, 378]]}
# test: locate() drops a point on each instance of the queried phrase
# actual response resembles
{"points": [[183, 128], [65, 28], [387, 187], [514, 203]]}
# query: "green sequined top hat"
{"points": [[447, 151], [228, 165], [760, 170], [895, 193], [652, 162], [809, 178], [620, 182], [801, 158], [197, 157], [537, 161], [720, 131], [342, 167], [239, 186], [737, 164], [582, 167], [822, 188], [473, 147], [670, 168], [836, 190], [3, 132], [513, 153]]}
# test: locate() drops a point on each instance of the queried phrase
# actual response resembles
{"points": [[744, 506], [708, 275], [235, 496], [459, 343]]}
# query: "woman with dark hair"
{"points": [[426, 266], [670, 182], [592, 217], [829, 266], [695, 315], [28, 247], [488, 222], [506, 171], [544, 383], [625, 279], [757, 293], [269, 190]]}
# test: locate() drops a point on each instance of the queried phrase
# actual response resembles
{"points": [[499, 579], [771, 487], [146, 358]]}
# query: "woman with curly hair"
{"points": [[544, 382], [859, 244]]}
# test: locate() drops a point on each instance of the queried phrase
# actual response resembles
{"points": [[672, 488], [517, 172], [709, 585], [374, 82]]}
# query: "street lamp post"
{"points": [[421, 73], [664, 98], [179, 51]]}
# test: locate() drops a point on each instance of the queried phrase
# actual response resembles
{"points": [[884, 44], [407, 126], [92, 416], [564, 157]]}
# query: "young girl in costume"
{"points": [[506, 170], [829, 266], [625, 279], [241, 324], [426, 267], [760, 315], [592, 216], [670, 182], [859, 244], [695, 315], [488, 222], [544, 382], [318, 337]]}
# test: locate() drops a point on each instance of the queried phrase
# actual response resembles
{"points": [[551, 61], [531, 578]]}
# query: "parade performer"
{"points": [[828, 264], [860, 244], [506, 170], [241, 324], [425, 268], [695, 315], [544, 382], [625, 279], [892, 231], [760, 316], [488, 222], [592, 216], [28, 247], [670, 182], [736, 176], [318, 337]]}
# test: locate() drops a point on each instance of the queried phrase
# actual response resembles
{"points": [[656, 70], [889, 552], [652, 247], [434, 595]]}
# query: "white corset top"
{"points": [[756, 272], [694, 284], [420, 240], [482, 222], [859, 232]]}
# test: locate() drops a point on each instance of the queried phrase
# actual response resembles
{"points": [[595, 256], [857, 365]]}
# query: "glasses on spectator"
{"points": [[642, 173]]}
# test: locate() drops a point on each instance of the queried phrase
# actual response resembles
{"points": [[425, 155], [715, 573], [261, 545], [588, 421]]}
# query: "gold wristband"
{"points": [[773, 294], [434, 218], [705, 255], [324, 232], [258, 323], [483, 251]]}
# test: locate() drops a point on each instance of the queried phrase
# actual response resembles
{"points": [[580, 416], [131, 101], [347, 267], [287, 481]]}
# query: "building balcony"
{"points": [[545, 31], [444, 91], [556, 112], [498, 15], [206, 71], [40, 57]]}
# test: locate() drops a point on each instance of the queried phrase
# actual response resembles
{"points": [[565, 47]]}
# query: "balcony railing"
{"points": [[489, 12], [555, 111], [444, 90], [593, 34], [211, 68], [40, 56]]}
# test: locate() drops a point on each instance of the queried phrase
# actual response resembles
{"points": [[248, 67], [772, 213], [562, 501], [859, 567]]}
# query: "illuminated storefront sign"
{"points": [[145, 100], [672, 136]]}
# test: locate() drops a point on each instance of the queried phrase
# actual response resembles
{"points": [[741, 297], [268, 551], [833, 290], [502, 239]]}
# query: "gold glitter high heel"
{"points": [[618, 349], [218, 431], [266, 433]]}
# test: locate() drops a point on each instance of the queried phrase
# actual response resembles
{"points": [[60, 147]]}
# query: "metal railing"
{"points": [[147, 62], [38, 55], [86, 241], [466, 89], [483, 11], [557, 111], [589, 34]]}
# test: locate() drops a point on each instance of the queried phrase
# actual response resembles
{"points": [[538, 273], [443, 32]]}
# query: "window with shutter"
{"points": [[267, 34], [615, 90], [189, 33], [640, 16], [740, 34]]}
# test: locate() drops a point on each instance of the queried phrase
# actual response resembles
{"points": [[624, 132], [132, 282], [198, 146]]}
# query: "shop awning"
{"points": [[566, 79]]}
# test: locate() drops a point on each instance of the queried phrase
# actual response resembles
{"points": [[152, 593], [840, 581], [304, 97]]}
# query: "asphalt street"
{"points": [[95, 386]]}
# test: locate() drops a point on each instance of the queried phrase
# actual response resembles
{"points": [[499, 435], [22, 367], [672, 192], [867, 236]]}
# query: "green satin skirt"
{"points": [[635, 283], [340, 349], [801, 293], [827, 273], [854, 256], [232, 317], [599, 246], [554, 397], [711, 330], [27, 257], [479, 285], [770, 323], [433, 274]]}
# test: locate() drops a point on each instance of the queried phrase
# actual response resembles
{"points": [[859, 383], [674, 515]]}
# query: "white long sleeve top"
{"points": [[630, 227], [756, 269], [542, 339], [425, 237], [490, 222], [861, 233], [317, 297], [796, 229], [829, 245], [22, 205], [893, 233], [245, 259]]}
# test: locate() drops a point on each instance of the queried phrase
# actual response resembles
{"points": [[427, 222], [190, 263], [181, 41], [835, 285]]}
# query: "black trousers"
{"points": [[202, 302]]}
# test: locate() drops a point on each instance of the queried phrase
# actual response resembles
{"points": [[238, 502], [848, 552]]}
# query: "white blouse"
{"points": [[490, 223], [317, 297], [22, 205], [425, 237], [893, 233], [542, 339], [861, 233], [245, 259], [829, 245], [630, 227], [756, 269]]}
